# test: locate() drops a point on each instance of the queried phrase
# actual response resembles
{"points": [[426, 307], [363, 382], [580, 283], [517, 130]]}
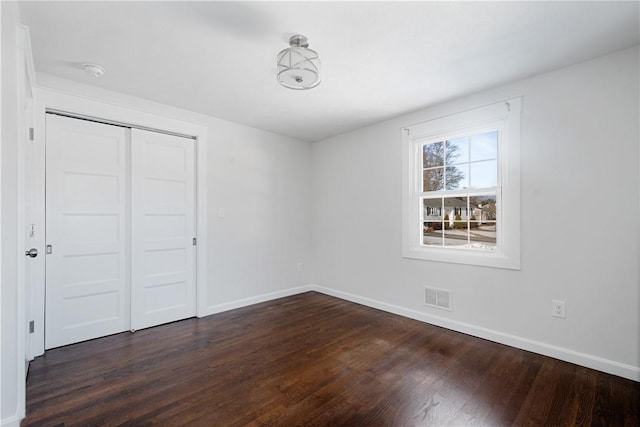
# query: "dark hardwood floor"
{"points": [[312, 359]]}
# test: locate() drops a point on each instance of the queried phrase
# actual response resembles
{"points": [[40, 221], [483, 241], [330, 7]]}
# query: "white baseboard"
{"points": [[561, 353], [13, 421], [567, 355], [219, 308]]}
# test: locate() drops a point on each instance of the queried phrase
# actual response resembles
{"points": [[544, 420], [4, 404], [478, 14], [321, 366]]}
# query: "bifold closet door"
{"points": [[87, 293], [162, 228]]}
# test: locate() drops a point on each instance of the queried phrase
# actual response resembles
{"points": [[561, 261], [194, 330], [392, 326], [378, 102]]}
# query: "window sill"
{"points": [[468, 257]]}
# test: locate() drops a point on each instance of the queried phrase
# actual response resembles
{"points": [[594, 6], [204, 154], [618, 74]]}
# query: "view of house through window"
{"points": [[460, 192]]}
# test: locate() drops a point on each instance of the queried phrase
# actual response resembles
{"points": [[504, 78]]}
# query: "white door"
{"points": [[33, 231], [163, 228], [87, 293]]}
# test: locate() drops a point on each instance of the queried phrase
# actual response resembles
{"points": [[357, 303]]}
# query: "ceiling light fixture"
{"points": [[94, 69], [298, 66]]}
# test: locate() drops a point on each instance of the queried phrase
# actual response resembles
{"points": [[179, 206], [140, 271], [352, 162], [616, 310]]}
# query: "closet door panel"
{"points": [[87, 293], [163, 255]]}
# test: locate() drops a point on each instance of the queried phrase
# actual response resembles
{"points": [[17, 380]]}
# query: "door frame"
{"points": [[111, 112], [26, 82]]}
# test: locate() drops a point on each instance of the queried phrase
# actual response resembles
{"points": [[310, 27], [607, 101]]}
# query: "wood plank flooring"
{"points": [[314, 360]]}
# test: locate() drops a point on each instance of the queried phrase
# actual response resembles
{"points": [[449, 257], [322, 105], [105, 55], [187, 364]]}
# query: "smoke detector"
{"points": [[95, 69]]}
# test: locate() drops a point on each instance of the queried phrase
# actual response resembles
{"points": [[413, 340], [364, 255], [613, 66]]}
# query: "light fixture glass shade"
{"points": [[298, 66]]}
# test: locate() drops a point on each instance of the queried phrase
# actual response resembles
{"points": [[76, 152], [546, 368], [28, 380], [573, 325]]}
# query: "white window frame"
{"points": [[503, 116]]}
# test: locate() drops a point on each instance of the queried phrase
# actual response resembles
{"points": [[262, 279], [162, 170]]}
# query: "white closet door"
{"points": [[163, 254], [87, 293]]}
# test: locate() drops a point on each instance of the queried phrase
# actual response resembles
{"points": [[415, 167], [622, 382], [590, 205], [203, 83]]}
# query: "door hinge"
{"points": [[32, 326], [32, 230], [194, 241], [49, 249], [32, 134]]}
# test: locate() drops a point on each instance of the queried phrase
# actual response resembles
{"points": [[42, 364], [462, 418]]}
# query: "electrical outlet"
{"points": [[558, 309], [299, 266]]}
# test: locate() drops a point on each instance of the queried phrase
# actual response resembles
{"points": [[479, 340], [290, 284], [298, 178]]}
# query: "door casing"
{"points": [[26, 82]]}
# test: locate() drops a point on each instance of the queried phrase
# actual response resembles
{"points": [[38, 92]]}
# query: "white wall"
{"points": [[261, 181], [580, 234], [9, 402]]}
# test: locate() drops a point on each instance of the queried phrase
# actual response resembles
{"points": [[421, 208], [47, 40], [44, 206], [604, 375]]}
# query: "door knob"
{"points": [[33, 252]]}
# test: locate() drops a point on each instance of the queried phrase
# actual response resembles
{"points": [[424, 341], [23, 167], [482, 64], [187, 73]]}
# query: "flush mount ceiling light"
{"points": [[298, 66], [95, 69]]}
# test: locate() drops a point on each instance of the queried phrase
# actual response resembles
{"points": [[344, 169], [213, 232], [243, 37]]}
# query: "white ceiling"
{"points": [[379, 59]]}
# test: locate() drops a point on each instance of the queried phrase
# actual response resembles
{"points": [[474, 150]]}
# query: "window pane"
{"points": [[432, 209], [458, 235], [457, 177], [483, 208], [455, 208], [484, 146], [433, 155], [432, 233], [433, 179], [483, 235], [457, 151], [484, 174], [432, 221]]}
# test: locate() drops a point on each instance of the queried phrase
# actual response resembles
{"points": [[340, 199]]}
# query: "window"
{"points": [[461, 187]]}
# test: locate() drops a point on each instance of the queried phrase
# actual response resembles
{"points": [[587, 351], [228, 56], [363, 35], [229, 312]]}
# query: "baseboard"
{"points": [[13, 421], [219, 308], [567, 355]]}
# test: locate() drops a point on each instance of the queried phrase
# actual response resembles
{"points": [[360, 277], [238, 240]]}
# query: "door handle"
{"points": [[33, 252]]}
